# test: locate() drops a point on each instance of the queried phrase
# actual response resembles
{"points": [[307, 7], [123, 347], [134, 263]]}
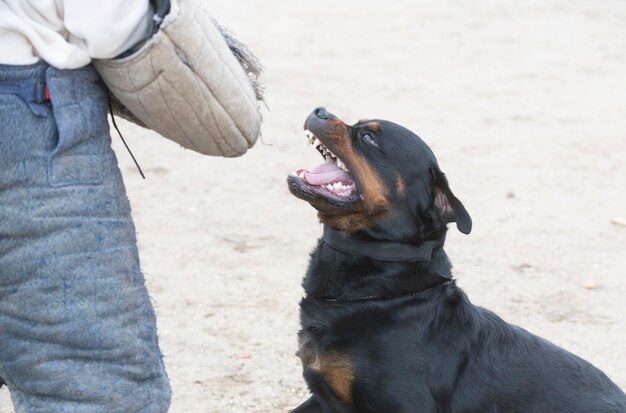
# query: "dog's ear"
{"points": [[447, 206]]}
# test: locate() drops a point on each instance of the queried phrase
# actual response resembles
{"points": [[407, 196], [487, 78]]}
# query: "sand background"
{"points": [[524, 104]]}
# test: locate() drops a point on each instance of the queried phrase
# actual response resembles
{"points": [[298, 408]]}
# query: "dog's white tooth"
{"points": [[316, 142]]}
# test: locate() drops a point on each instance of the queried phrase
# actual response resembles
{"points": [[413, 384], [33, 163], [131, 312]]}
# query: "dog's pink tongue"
{"points": [[326, 173]]}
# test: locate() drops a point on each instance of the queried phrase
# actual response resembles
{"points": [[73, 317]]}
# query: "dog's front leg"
{"points": [[309, 406]]}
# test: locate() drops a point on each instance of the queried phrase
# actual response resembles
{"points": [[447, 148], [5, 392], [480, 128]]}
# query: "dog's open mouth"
{"points": [[331, 179]]}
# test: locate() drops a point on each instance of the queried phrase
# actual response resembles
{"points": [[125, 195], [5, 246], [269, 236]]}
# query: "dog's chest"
{"points": [[332, 365], [346, 348], [327, 350], [332, 342]]}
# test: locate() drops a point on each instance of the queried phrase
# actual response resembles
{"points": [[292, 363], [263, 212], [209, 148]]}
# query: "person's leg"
{"points": [[77, 329]]}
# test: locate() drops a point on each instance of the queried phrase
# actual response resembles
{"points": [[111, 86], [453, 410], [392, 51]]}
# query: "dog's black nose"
{"points": [[321, 113]]}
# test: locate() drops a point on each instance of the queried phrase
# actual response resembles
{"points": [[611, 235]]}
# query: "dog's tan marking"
{"points": [[373, 126], [374, 201], [400, 186], [352, 222], [371, 186], [335, 367]]}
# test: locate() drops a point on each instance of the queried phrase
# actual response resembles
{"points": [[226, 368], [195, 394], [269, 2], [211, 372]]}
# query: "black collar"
{"points": [[376, 297], [378, 250]]}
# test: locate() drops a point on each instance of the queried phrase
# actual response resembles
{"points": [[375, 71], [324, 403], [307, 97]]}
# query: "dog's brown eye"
{"points": [[368, 138]]}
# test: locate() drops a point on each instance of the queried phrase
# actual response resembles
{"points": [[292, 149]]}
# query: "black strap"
{"points": [[378, 250], [33, 92], [377, 297]]}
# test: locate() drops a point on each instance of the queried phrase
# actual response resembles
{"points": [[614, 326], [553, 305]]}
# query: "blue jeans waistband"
{"points": [[11, 73]]}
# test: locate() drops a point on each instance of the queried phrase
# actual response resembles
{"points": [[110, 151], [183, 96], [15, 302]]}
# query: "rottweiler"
{"points": [[384, 327]]}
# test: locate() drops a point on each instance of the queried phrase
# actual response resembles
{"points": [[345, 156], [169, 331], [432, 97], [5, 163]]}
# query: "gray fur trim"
{"points": [[120, 111], [250, 63]]}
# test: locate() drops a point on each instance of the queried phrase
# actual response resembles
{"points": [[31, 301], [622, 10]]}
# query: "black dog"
{"points": [[384, 327]]}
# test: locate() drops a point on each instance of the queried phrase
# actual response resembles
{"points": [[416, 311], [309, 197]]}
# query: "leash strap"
{"points": [[378, 250], [34, 92]]}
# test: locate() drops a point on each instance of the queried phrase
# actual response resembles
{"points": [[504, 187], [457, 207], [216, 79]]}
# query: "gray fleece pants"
{"points": [[77, 329]]}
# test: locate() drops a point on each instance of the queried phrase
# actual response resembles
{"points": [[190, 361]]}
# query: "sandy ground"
{"points": [[523, 102]]}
